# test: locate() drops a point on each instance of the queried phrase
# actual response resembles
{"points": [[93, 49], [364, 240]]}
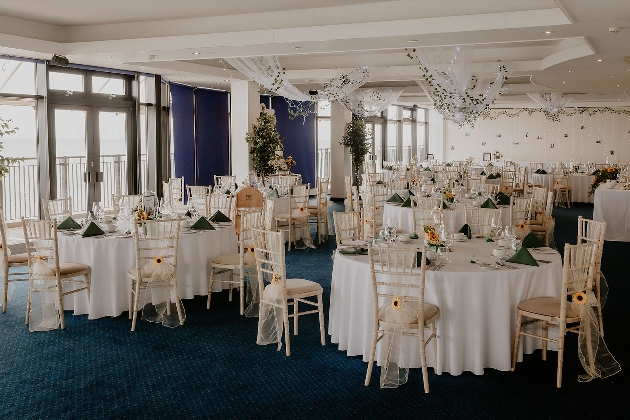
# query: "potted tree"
{"points": [[5, 161], [264, 141], [358, 140]]}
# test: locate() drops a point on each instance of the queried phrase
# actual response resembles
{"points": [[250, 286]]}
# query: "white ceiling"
{"points": [[316, 38]]}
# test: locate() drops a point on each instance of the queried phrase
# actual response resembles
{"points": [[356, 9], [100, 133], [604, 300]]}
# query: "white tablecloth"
{"points": [[580, 184], [544, 180], [453, 219], [477, 306], [110, 258], [613, 206]]}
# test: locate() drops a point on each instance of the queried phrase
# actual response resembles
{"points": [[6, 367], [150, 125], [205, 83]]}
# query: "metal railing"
{"points": [[21, 193]]}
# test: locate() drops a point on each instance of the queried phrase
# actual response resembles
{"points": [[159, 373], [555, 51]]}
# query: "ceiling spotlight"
{"points": [[563, 82], [547, 32], [196, 53], [413, 40], [296, 48], [227, 80], [569, 71], [599, 59]]}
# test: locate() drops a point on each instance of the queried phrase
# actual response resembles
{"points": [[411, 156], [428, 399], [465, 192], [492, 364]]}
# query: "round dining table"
{"points": [[477, 321], [612, 205], [580, 185], [111, 256], [454, 216]]}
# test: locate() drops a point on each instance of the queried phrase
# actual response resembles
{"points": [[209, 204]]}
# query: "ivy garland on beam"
{"points": [[493, 114]]}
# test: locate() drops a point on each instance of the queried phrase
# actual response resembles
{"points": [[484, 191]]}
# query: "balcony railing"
{"points": [[21, 193]]}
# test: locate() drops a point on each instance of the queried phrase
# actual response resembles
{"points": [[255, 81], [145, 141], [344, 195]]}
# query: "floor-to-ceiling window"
{"points": [[92, 126], [20, 195], [323, 139]]}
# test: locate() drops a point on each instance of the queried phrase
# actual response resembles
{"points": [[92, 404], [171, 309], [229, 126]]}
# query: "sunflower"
{"points": [[522, 226], [275, 278], [611, 169], [506, 188], [324, 205], [158, 260], [397, 303], [250, 250], [540, 212], [302, 210], [367, 221], [1, 246], [579, 297]]}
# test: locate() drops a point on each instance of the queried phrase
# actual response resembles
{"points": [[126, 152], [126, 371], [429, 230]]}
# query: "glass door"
{"points": [[90, 154]]}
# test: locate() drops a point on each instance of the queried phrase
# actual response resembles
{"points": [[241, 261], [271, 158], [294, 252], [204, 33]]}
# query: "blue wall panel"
{"points": [[182, 110], [299, 140], [213, 135]]}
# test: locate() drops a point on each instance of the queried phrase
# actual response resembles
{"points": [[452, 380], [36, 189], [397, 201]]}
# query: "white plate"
{"points": [[222, 223], [186, 231], [354, 243]]}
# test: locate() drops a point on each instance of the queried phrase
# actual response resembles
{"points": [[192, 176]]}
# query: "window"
{"points": [[108, 85], [323, 139], [17, 77], [65, 81]]}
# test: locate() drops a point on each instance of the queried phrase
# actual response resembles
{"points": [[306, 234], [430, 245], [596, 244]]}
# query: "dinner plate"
{"points": [[353, 244], [187, 231]]}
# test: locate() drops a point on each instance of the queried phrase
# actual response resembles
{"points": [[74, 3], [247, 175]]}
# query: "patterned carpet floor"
{"points": [[212, 368]]}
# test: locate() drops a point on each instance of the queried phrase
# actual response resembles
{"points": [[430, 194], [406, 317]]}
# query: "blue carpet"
{"points": [[212, 368]]}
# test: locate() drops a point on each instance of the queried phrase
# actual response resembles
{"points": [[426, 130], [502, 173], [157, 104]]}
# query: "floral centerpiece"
{"points": [[448, 195], [431, 238], [603, 175], [290, 162]]}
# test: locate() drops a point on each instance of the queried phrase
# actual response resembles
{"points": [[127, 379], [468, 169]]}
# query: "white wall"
{"points": [[580, 143]]}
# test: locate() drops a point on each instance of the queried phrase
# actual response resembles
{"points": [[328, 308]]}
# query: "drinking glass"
{"points": [[98, 210]]}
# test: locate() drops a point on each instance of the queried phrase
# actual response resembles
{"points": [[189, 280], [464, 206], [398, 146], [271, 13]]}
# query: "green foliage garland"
{"points": [[264, 141], [493, 114], [5, 161]]}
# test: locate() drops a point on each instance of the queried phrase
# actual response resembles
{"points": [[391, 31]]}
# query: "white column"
{"points": [[245, 108], [340, 162], [436, 135]]}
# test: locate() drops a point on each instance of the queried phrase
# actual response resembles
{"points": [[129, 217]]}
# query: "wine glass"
{"points": [[447, 239]]}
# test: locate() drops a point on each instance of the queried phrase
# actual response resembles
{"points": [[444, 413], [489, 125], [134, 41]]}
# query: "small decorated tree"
{"points": [[358, 140], [5, 161], [264, 141]]}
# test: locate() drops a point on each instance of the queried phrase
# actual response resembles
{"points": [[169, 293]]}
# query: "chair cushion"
{"points": [[546, 306], [227, 259], [18, 259], [70, 268], [429, 312], [299, 286]]}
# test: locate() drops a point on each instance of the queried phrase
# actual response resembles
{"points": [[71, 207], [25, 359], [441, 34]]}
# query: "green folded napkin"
{"points": [[379, 182], [466, 230], [491, 176], [353, 251], [502, 199], [274, 194], [419, 259], [489, 239], [69, 223], [543, 172], [92, 230], [444, 205], [202, 224], [413, 236], [537, 171], [523, 256], [411, 194], [218, 216], [395, 199], [532, 241], [497, 175], [427, 169], [432, 179], [406, 203], [228, 192], [188, 214], [449, 164], [482, 173], [488, 204], [235, 186], [408, 194]]}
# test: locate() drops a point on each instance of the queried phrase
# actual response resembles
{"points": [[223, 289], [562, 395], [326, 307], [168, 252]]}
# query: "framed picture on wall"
{"points": [[487, 157], [430, 156]]}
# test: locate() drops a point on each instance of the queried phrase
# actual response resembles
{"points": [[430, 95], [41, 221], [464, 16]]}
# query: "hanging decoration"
{"points": [[268, 72], [552, 103], [370, 102], [513, 113], [447, 79]]}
